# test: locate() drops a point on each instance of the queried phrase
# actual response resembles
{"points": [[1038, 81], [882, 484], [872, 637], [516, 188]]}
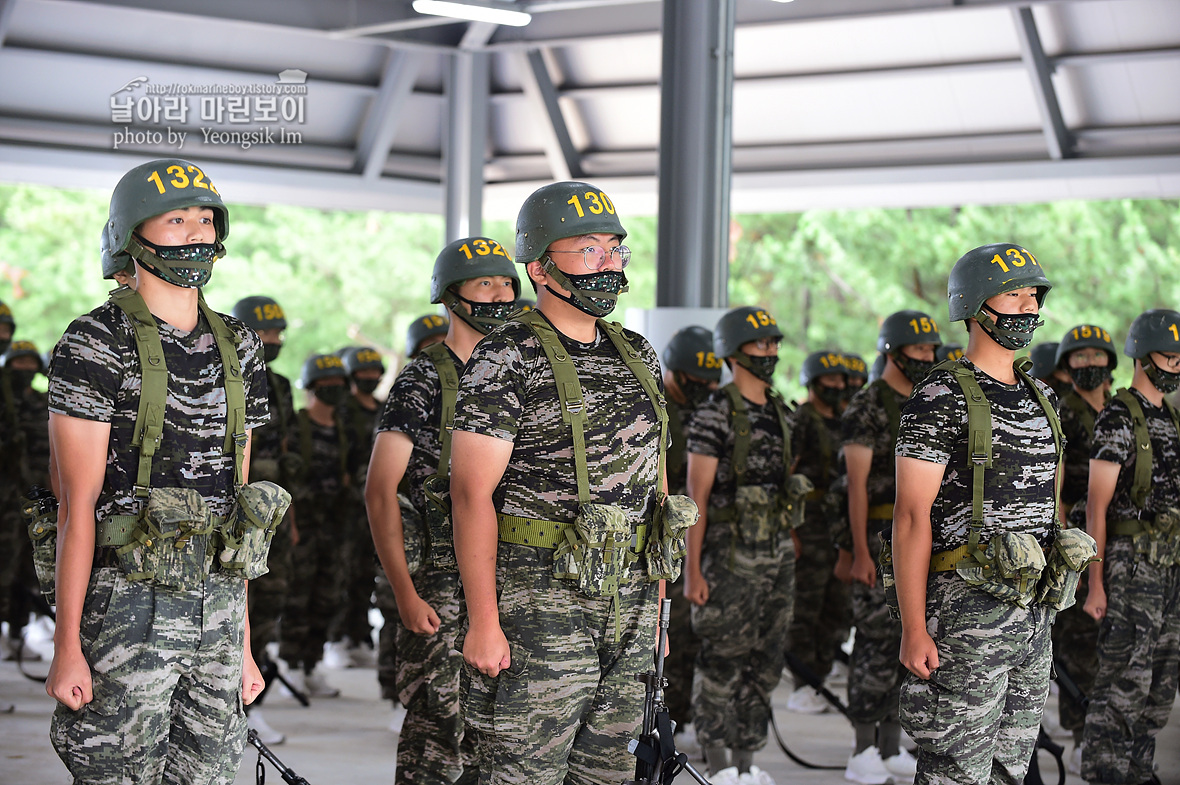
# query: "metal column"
{"points": [[696, 120], [465, 143]]}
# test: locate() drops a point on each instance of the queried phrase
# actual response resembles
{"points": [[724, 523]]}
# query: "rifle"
{"points": [[288, 775]]}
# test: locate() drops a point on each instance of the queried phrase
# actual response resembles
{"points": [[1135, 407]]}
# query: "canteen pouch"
{"points": [[759, 516], [595, 550], [1159, 540], [885, 572], [665, 543], [440, 531], [794, 500], [170, 544], [250, 527], [1071, 552], [413, 534], [1008, 569], [40, 511]]}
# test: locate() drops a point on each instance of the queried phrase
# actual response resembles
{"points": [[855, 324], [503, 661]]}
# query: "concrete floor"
{"points": [[348, 739]]}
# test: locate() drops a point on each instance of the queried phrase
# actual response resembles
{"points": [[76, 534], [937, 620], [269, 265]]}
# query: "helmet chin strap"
{"points": [[576, 296]]}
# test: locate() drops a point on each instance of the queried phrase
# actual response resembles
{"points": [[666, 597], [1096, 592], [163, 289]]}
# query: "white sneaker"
{"points": [[686, 741], [867, 768], [1074, 765], [903, 765], [266, 734], [362, 657], [837, 676], [336, 655], [728, 776], [294, 676], [756, 776], [399, 718], [318, 687], [807, 700]]}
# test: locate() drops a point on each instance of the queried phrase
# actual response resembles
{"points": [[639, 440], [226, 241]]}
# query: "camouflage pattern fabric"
{"points": [[1075, 645], [1076, 477], [676, 460], [566, 708], [384, 601], [269, 442], [976, 719], [570, 702], [1020, 484], [26, 465], [874, 670], [433, 747], [822, 603], [743, 626], [414, 408], [359, 561], [167, 664], [866, 422], [1139, 638]]}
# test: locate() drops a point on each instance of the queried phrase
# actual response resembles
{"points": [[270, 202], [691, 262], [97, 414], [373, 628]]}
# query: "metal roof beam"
{"points": [[6, 7], [397, 83], [563, 157], [465, 142], [1056, 134]]}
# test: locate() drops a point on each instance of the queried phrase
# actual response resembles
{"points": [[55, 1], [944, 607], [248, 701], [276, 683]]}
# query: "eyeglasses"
{"points": [[1169, 359], [768, 343], [595, 256]]}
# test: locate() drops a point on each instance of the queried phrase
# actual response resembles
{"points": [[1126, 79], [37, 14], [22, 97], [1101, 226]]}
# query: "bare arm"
{"points": [[80, 451], [252, 681], [1104, 476], [918, 483], [702, 471], [477, 464], [387, 467], [859, 460]]}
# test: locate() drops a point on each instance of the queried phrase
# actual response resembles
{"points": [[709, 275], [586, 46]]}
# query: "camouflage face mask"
{"points": [[611, 283], [1166, 382], [829, 396], [1011, 330], [1090, 377], [695, 393], [914, 370], [484, 317], [189, 266], [761, 367]]}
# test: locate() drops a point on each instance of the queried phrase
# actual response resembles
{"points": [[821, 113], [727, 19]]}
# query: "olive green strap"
{"points": [[945, 561], [1126, 528], [780, 412], [1083, 411], [979, 444], [741, 431], [235, 390], [448, 377], [823, 441], [1141, 482], [549, 534], [115, 530], [1054, 421], [153, 391], [647, 381]]}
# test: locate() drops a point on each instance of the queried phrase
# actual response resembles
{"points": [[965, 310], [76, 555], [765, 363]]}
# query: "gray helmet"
{"points": [[906, 328], [109, 266], [467, 258], [362, 358], [260, 312], [565, 209], [22, 349], [948, 351], [690, 351], [877, 369], [424, 327], [990, 270], [152, 189], [1085, 336], [819, 364], [321, 366], [1044, 360], [742, 325], [1157, 330], [6, 316], [855, 366]]}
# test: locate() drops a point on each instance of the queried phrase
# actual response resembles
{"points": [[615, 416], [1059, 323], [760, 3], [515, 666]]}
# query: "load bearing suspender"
{"points": [[740, 417], [1144, 458], [448, 377]]}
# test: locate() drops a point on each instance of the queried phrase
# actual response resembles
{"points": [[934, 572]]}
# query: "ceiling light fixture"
{"points": [[493, 12]]}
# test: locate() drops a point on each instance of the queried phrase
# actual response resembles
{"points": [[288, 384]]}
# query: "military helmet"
{"points": [[948, 351], [990, 270], [260, 312], [22, 349], [565, 209], [467, 258], [1085, 336], [1157, 330], [906, 328], [6, 315], [109, 265], [524, 304], [742, 325], [152, 189], [321, 366], [362, 358], [855, 366], [690, 351], [424, 327], [1044, 360], [878, 368], [819, 364]]}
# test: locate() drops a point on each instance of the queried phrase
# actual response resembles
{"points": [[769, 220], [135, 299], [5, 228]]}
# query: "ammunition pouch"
{"points": [[885, 573], [1156, 540], [413, 535], [170, 541], [266, 469], [440, 531], [595, 550], [1071, 552], [665, 545], [1009, 568], [794, 499], [249, 528], [39, 508], [761, 513]]}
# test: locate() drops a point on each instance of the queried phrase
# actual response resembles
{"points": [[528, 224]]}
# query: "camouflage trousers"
{"points": [[268, 593], [565, 709], [314, 595], [976, 719], [822, 603], [167, 675], [743, 631], [683, 645], [358, 566], [875, 670], [432, 747], [387, 638], [1075, 647], [1138, 655]]}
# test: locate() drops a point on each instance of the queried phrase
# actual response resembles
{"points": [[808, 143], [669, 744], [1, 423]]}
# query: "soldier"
{"points": [[1133, 513], [740, 570], [822, 608], [856, 376], [425, 331], [1087, 354], [948, 351], [1044, 360], [320, 494], [10, 451], [556, 481], [478, 282], [152, 398], [691, 374], [976, 461], [273, 458], [907, 340]]}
